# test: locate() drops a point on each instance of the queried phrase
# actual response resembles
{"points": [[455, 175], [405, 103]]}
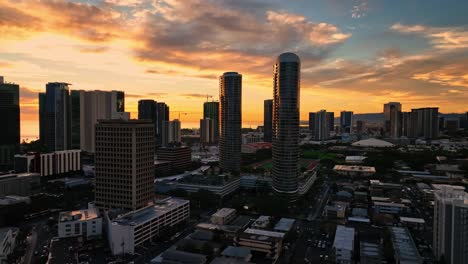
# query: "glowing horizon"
{"points": [[356, 55]]}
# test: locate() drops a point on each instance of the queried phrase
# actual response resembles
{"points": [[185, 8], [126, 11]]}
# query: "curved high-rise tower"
{"points": [[286, 95], [230, 121]]}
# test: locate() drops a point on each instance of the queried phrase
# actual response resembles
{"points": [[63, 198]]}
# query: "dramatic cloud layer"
{"points": [[174, 50]]}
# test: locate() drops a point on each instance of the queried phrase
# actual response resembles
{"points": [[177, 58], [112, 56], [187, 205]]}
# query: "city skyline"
{"points": [[416, 57]]}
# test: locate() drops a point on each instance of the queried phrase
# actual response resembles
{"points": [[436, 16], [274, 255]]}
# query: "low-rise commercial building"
{"points": [[254, 147], [237, 253], [389, 208], [335, 211], [131, 229], [267, 242], [406, 251], [179, 156], [223, 216], [49, 164], [86, 223], [354, 171], [343, 245], [21, 184], [222, 184]]}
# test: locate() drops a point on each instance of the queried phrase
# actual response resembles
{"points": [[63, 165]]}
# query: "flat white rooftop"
{"points": [[344, 238], [412, 220], [353, 168], [224, 212], [153, 211]]}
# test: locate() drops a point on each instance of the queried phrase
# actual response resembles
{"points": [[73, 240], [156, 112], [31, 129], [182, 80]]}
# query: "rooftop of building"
{"points": [[223, 212], [79, 215], [160, 207], [384, 184], [289, 57], [370, 250], [412, 220], [441, 186], [284, 224], [215, 227], [211, 180], [236, 252], [355, 158], [404, 246], [388, 204], [262, 221], [448, 168], [344, 238], [373, 142], [354, 168], [258, 234], [177, 256]]}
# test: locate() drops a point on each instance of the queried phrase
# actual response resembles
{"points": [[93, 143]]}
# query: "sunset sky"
{"points": [[356, 54]]}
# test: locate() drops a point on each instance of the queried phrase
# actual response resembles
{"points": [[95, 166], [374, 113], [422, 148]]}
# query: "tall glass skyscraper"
{"points": [[211, 111], [230, 120], [286, 100], [57, 117], [267, 120], [10, 120]]}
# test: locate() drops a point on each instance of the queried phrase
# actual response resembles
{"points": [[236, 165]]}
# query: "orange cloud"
{"points": [[445, 38], [84, 21]]}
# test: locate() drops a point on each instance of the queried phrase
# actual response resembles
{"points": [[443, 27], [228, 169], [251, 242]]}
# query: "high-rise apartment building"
{"points": [[124, 163], [286, 103], [392, 120], [322, 125], [331, 121], [56, 117], [211, 111], [425, 123], [312, 125], [451, 225], [346, 121], [230, 120], [87, 107], [10, 120], [207, 131], [267, 120], [162, 128], [42, 118], [406, 124], [174, 131]]}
